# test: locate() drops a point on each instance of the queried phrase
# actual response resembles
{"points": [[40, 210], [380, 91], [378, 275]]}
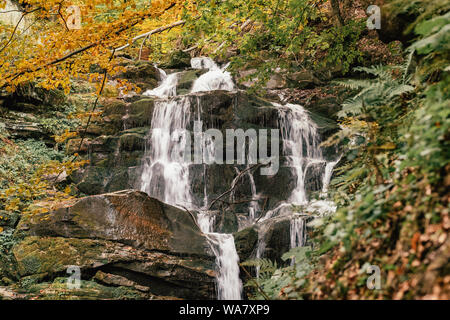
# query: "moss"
{"points": [[177, 60], [187, 79], [245, 241], [131, 142], [37, 255], [89, 290]]}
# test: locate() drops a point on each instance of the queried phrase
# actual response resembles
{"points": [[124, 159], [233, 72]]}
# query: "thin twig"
{"points": [[142, 45], [62, 17], [83, 135], [234, 185], [147, 34], [78, 51], [192, 216], [16, 27]]}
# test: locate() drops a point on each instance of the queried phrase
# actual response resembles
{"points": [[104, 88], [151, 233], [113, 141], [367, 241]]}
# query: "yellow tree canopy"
{"points": [[63, 39]]}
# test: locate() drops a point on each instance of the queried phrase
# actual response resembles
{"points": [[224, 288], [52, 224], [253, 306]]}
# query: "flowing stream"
{"points": [[166, 170]]}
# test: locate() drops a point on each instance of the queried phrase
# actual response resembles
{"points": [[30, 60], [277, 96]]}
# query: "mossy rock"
{"points": [[73, 146], [128, 216], [119, 180], [8, 264], [131, 142], [52, 255], [143, 74], [177, 60], [140, 113], [245, 241], [8, 219], [93, 180], [187, 79], [33, 94], [89, 290], [114, 106], [140, 70]]}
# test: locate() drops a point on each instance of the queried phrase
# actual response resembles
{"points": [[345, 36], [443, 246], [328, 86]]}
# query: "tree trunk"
{"points": [[337, 11]]}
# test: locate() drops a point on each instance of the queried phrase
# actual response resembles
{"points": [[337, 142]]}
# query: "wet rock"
{"points": [[29, 95], [187, 79], [226, 220], [73, 146], [8, 219], [91, 180], [139, 113], [141, 73], [129, 217], [176, 60], [245, 241], [247, 79], [302, 79], [89, 290], [131, 142], [25, 130], [277, 238], [124, 239], [115, 280]]}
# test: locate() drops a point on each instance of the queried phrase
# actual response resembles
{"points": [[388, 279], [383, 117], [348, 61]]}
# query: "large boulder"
{"points": [[126, 235], [128, 216]]}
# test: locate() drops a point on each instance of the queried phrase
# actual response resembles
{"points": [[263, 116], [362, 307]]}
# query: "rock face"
{"points": [[143, 74], [126, 235]]}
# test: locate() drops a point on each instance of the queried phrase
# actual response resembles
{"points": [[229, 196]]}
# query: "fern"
{"points": [[266, 266], [375, 92], [273, 279]]}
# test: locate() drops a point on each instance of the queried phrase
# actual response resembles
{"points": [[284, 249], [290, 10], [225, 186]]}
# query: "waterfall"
{"points": [[229, 284], [328, 173], [215, 79], [166, 169], [165, 175], [168, 87], [300, 145], [297, 232]]}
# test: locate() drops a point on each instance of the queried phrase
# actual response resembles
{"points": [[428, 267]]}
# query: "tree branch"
{"points": [[147, 34], [234, 185], [83, 49], [16, 27]]}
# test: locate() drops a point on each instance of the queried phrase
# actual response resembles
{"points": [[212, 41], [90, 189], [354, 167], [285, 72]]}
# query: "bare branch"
{"points": [[234, 185], [16, 27], [147, 34]]}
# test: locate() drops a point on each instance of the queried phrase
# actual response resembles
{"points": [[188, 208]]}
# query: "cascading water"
{"points": [[301, 146], [215, 79], [229, 285], [168, 87], [166, 172], [165, 176]]}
